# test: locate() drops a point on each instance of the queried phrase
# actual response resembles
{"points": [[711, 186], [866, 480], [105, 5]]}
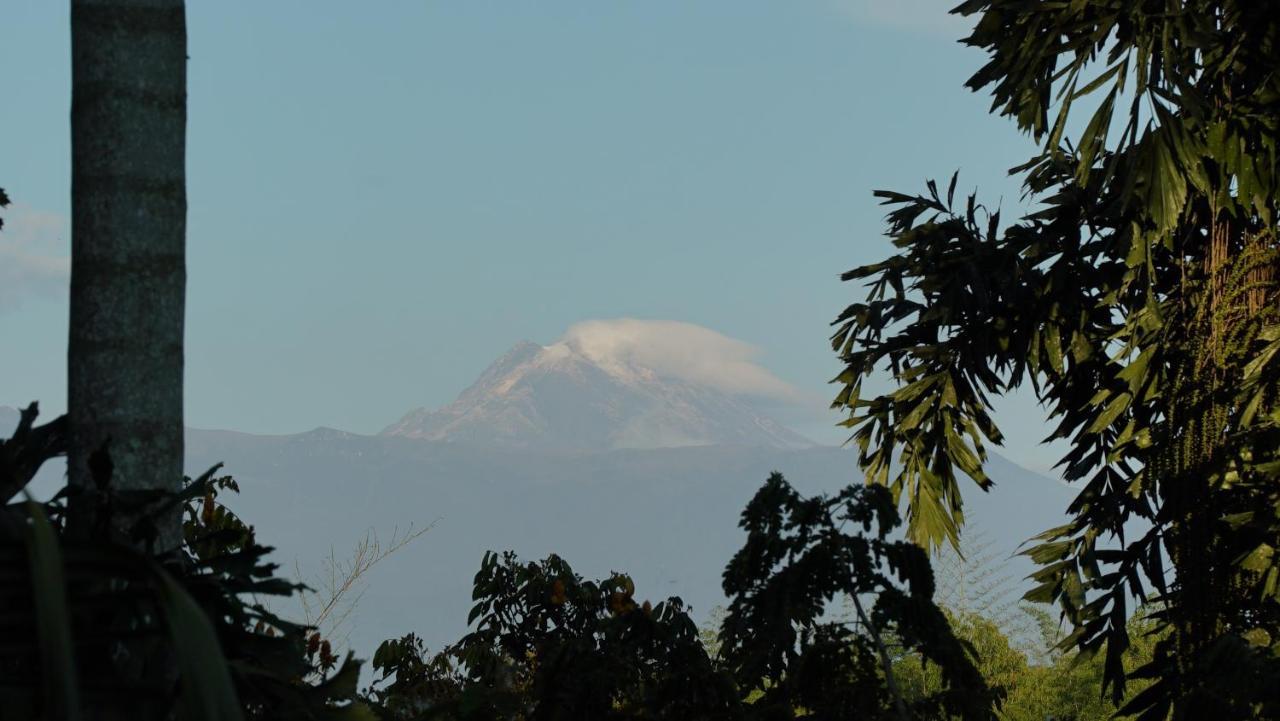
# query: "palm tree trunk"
{"points": [[128, 237]]}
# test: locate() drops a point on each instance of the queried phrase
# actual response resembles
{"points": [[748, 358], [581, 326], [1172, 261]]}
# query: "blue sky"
{"points": [[385, 196]]}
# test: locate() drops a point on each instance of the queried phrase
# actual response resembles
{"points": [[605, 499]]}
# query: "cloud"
{"points": [[680, 350], [930, 17], [34, 259]]}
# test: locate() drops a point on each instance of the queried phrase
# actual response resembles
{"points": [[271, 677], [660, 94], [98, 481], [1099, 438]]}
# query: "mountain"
{"points": [[563, 398], [609, 463], [667, 516]]}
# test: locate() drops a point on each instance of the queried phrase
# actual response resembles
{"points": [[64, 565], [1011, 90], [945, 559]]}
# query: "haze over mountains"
{"points": [[594, 447]]}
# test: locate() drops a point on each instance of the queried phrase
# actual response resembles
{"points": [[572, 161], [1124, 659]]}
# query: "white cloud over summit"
{"points": [[680, 350]]}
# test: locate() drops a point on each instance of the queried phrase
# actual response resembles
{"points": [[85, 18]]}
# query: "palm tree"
{"points": [[128, 232]]}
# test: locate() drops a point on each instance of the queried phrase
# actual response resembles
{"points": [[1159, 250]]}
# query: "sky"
{"points": [[384, 197]]}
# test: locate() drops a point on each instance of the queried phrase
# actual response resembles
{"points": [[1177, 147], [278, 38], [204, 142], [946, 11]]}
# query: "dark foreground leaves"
{"points": [[548, 645]]}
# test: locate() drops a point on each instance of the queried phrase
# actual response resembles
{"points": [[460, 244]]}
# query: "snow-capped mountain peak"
{"points": [[568, 396]]}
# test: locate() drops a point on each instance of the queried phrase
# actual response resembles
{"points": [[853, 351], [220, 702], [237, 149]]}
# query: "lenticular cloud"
{"points": [[679, 350]]}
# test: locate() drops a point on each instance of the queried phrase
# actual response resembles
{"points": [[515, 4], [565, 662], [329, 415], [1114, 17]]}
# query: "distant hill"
{"points": [[615, 467], [667, 516]]}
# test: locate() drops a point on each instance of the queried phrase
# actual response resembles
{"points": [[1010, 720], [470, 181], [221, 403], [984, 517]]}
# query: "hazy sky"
{"points": [[385, 196]]}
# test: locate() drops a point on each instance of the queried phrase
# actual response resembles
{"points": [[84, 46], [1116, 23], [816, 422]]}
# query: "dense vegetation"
{"points": [[1137, 300], [548, 645], [93, 619]]}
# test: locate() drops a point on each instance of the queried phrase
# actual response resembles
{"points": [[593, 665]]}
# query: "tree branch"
{"points": [[890, 681], [28, 448]]}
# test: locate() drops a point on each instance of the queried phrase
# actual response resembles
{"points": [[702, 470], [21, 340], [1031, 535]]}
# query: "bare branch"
{"points": [[339, 586]]}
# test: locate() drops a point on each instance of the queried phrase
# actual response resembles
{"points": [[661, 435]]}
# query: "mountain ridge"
{"points": [[559, 397], [666, 516], [593, 453]]}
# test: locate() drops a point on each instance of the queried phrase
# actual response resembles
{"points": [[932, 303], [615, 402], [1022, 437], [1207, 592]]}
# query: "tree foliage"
{"points": [[1137, 299], [976, 582], [547, 644], [110, 622], [799, 557], [1042, 684]]}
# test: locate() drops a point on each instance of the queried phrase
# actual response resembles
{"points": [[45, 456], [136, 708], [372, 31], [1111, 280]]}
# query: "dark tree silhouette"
{"points": [[1138, 300], [128, 241]]}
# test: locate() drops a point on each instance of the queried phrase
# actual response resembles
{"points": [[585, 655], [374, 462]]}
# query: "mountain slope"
{"points": [[666, 516], [558, 397]]}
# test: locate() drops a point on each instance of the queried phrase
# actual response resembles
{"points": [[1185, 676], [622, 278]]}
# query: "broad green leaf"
{"points": [[1259, 559], [1112, 411], [53, 622], [206, 691]]}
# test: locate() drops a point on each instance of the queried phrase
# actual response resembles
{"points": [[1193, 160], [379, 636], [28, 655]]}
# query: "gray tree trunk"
{"points": [[128, 243]]}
